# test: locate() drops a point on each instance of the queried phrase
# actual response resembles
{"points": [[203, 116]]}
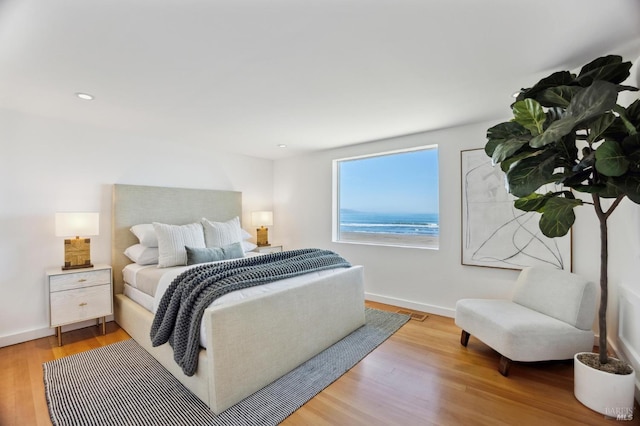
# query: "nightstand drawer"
{"points": [[80, 304], [79, 280]]}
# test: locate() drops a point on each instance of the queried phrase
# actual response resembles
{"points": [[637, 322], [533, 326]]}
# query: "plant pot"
{"points": [[607, 393]]}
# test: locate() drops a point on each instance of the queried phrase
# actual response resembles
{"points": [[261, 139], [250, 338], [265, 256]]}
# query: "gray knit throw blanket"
{"points": [[181, 308]]}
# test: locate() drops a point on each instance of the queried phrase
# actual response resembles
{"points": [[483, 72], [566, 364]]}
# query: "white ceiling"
{"points": [[247, 75]]}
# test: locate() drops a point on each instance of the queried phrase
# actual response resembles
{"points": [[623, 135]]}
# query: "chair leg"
{"points": [[505, 363], [464, 338]]}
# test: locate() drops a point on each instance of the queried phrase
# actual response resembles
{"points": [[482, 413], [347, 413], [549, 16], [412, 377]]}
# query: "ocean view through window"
{"points": [[388, 198]]}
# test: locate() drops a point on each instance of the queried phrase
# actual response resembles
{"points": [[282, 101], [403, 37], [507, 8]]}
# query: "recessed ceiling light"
{"points": [[281, 145], [85, 96]]}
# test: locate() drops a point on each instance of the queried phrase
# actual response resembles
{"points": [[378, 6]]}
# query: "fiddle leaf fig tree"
{"points": [[569, 130]]}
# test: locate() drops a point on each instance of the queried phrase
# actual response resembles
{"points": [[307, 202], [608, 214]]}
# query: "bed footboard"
{"points": [[136, 321], [253, 342]]}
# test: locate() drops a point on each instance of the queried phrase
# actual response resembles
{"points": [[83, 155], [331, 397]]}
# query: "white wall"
{"points": [[433, 280], [48, 166]]}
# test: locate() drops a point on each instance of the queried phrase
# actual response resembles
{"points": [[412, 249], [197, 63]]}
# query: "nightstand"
{"points": [[268, 249], [78, 295]]}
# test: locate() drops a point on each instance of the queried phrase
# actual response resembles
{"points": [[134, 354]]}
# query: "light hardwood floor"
{"points": [[419, 376]]}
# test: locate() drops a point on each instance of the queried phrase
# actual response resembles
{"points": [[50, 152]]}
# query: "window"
{"points": [[389, 198]]}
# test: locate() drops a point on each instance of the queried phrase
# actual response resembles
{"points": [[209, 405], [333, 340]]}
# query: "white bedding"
{"points": [[137, 279], [141, 298], [145, 278]]}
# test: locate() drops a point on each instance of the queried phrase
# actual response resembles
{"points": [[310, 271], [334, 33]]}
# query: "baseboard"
{"points": [[25, 336], [627, 344], [626, 353], [422, 307], [38, 333]]}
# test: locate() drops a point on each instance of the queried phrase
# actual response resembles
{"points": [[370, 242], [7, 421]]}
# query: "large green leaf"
{"points": [[617, 131], [567, 149], [529, 174], [631, 148], [608, 68], [596, 99], [533, 202], [606, 190], [505, 165], [629, 185], [575, 178], [559, 96], [491, 145], [554, 132], [502, 132], [558, 216], [590, 189], [559, 78], [633, 114], [631, 144], [507, 149], [530, 115], [624, 118], [610, 189], [610, 159], [600, 126]]}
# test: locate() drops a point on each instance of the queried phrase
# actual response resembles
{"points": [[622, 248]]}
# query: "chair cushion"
{"points": [[520, 333], [559, 294]]}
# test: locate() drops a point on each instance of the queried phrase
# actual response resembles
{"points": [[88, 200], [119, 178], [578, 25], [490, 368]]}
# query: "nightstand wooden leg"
{"points": [[104, 325], [59, 334]]}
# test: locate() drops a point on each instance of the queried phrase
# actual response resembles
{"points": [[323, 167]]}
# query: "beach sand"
{"points": [[429, 241]]}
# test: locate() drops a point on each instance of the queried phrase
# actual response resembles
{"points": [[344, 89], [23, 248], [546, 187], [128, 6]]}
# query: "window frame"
{"points": [[335, 193]]}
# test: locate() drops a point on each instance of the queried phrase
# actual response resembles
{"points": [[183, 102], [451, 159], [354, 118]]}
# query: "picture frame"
{"points": [[494, 233]]}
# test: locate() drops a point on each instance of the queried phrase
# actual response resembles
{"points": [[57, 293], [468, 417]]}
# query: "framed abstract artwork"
{"points": [[494, 232]]}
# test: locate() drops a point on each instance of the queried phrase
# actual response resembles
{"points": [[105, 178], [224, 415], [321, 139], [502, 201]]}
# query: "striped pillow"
{"points": [[219, 234], [172, 240]]}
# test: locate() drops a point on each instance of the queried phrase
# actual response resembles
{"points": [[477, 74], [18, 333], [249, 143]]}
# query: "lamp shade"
{"points": [[77, 224], [263, 218]]}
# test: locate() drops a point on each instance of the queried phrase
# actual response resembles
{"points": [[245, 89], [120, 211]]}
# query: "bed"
{"points": [[252, 341]]}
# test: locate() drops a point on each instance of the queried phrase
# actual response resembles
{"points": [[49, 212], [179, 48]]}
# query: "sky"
{"points": [[404, 182]]}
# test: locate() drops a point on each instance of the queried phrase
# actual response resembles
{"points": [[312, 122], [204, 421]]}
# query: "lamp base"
{"points": [[262, 237], [65, 267], [77, 253]]}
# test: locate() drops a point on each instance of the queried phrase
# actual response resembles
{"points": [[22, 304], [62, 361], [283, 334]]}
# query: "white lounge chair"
{"points": [[550, 317]]}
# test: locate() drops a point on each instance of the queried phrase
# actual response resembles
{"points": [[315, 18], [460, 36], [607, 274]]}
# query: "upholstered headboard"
{"points": [[135, 204]]}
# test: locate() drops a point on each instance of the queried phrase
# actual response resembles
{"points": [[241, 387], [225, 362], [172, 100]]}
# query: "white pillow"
{"points": [[173, 238], [142, 255], [145, 234], [248, 246], [220, 234]]}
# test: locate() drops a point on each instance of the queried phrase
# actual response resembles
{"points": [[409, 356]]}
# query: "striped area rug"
{"points": [[121, 384]]}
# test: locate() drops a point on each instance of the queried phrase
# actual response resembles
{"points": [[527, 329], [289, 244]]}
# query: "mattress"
{"points": [[146, 285], [139, 297], [143, 278]]}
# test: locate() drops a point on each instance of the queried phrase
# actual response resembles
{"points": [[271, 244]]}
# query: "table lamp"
{"points": [[262, 219], [77, 251]]}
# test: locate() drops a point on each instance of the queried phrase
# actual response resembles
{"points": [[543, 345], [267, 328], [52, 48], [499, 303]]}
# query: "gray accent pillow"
{"points": [[197, 255]]}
